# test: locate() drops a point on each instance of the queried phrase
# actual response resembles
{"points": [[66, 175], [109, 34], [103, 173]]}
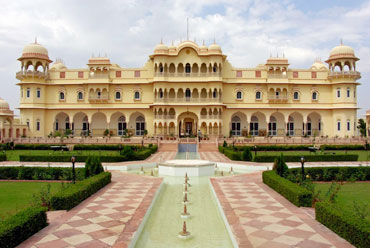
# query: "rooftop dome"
{"points": [[4, 105], [342, 51], [203, 47], [161, 48], [214, 48], [318, 65], [58, 65], [35, 50]]}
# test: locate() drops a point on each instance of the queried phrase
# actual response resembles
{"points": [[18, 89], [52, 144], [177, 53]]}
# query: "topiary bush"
{"points": [[93, 166], [19, 227], [280, 166], [40, 173], [246, 154], [97, 147], [66, 158], [2, 157], [308, 158]]}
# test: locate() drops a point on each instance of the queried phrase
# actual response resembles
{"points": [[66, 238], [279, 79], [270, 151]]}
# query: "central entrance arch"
{"points": [[188, 124]]}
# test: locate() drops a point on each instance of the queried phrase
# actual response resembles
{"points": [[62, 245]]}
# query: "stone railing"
{"points": [[187, 99], [336, 74], [184, 74], [164, 117], [33, 74]]}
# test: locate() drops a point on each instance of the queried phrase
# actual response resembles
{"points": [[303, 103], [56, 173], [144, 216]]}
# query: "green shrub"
{"points": [[355, 230], [35, 146], [2, 157], [280, 166], [76, 193], [360, 173], [41, 173], [247, 155], [93, 166], [308, 158], [342, 147], [296, 194], [21, 226], [142, 155], [97, 147], [66, 158], [233, 155], [224, 144], [128, 153]]}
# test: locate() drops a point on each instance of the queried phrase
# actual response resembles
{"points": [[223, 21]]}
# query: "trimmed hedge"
{"points": [[296, 194], [40, 173], [21, 226], [97, 147], [2, 157], [355, 230], [35, 146], [308, 158], [360, 173], [300, 147], [76, 193], [66, 158]]}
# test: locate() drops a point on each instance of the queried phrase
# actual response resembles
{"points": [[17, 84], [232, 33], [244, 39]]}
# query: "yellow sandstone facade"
{"points": [[185, 88]]}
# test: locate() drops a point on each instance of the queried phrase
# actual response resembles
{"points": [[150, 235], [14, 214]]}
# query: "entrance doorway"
{"points": [[188, 128]]}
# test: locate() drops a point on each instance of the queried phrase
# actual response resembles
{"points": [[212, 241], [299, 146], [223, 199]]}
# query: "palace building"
{"points": [[185, 88]]}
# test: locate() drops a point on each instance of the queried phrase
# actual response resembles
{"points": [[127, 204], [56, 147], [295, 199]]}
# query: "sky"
{"points": [[127, 31]]}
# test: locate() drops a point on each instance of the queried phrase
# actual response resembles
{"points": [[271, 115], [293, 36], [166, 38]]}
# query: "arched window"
{"points": [[239, 95], [160, 68], [140, 126], [258, 95], [118, 95], [338, 125], [235, 126], [187, 93], [80, 96], [28, 93], [348, 125], [38, 125], [309, 126], [314, 95], [338, 92], [56, 125], [61, 96], [98, 94], [38, 93], [214, 93], [214, 68], [296, 95], [160, 93], [122, 126], [85, 124], [348, 92], [137, 95], [290, 126], [272, 126], [253, 126], [187, 68], [67, 123]]}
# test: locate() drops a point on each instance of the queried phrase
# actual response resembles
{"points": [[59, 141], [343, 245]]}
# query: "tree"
{"points": [[280, 166], [362, 127], [247, 155]]}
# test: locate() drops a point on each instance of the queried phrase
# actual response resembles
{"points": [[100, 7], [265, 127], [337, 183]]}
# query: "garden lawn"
{"points": [[348, 193], [15, 196], [362, 155], [13, 155]]}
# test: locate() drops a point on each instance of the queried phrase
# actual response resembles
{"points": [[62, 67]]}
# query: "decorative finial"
{"points": [[283, 55], [172, 43], [105, 55], [35, 39], [161, 40], [341, 42], [203, 43], [214, 40], [187, 28]]}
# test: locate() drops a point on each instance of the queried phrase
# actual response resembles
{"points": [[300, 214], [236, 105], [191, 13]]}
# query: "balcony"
{"points": [[32, 74], [98, 99], [213, 117], [196, 76], [187, 100], [164, 117], [344, 74], [277, 99]]}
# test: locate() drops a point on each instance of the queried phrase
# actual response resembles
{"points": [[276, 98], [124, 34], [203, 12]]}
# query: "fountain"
{"points": [[231, 170], [181, 166], [156, 167], [142, 170], [185, 214], [186, 188], [184, 234]]}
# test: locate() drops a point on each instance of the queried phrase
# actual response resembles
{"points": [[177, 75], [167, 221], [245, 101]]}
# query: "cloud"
{"points": [[127, 31]]}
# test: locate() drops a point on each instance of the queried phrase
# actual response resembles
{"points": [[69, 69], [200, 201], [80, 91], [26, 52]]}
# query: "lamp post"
{"points": [[255, 150], [302, 163], [73, 160]]}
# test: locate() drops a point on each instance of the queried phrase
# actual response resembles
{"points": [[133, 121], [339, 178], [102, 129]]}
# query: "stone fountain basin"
{"points": [[191, 167]]}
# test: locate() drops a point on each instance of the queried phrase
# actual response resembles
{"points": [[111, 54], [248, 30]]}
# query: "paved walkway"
{"points": [[108, 218], [260, 217], [214, 156]]}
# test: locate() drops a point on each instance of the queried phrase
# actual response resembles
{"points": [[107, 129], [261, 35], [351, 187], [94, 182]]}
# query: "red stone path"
{"points": [[161, 156], [214, 156], [108, 218], [260, 217]]}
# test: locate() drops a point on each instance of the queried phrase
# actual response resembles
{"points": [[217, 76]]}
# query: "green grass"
{"points": [[348, 193], [15, 196], [362, 155], [13, 155]]}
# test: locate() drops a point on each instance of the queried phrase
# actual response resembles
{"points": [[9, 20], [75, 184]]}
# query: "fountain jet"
{"points": [[184, 234], [185, 214]]}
